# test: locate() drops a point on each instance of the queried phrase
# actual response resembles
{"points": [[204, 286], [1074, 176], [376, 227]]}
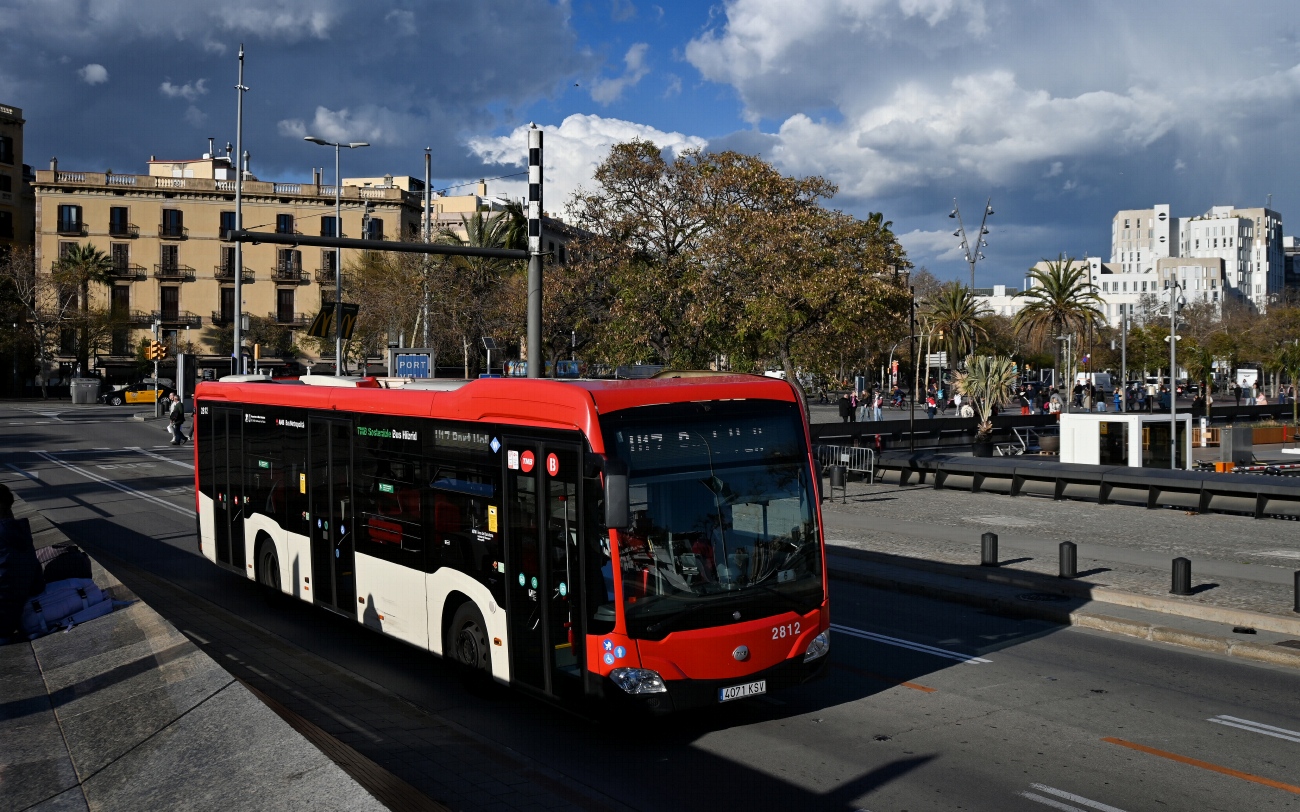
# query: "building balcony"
{"points": [[220, 319], [225, 273], [295, 320], [325, 276], [70, 228], [178, 273], [127, 271], [178, 319], [289, 274], [167, 231], [123, 230], [138, 318]]}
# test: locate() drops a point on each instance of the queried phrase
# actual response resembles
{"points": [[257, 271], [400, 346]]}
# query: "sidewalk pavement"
{"points": [[919, 540], [125, 713]]}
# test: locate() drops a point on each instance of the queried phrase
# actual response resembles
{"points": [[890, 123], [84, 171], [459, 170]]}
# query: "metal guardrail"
{"points": [[858, 460]]}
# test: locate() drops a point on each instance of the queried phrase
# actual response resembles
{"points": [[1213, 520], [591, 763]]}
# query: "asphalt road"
{"points": [[928, 706]]}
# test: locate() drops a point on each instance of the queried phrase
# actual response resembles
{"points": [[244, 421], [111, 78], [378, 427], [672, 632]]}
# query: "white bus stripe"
{"points": [[1257, 727], [908, 644], [119, 486], [1078, 799], [140, 450]]}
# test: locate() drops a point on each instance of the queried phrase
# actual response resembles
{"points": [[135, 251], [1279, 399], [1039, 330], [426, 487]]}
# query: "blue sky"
{"points": [[1062, 112]]}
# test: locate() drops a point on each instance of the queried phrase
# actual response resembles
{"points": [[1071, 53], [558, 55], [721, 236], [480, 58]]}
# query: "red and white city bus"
{"points": [[657, 541]]}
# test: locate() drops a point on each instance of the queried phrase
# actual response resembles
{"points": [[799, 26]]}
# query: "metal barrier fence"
{"points": [[858, 460]]}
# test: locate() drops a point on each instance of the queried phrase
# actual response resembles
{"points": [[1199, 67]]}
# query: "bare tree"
{"points": [[42, 307]]}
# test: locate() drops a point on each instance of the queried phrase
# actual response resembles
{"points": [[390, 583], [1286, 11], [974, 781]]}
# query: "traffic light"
{"points": [[156, 351]]}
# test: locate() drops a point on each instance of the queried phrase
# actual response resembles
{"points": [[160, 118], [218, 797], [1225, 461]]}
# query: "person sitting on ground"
{"points": [[20, 571]]}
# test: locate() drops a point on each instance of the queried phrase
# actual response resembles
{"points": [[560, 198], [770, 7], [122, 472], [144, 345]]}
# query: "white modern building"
{"points": [[1247, 241]]}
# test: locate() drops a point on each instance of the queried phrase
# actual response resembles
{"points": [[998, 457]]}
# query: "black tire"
{"points": [[467, 642], [116, 400], [268, 567]]}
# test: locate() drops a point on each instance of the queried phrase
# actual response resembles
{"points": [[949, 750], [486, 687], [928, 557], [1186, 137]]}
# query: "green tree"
{"points": [[1061, 300], [478, 297], [955, 320], [1288, 359], [81, 266]]}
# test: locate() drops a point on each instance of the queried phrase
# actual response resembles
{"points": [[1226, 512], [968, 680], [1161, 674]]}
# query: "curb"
{"points": [[1083, 591], [987, 599]]}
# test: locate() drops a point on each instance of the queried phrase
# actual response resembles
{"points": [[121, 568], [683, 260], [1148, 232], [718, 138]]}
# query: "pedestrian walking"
{"points": [[175, 419], [878, 405], [845, 408], [930, 406]]}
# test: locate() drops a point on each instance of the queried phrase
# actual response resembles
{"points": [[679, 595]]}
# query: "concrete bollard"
{"points": [[1182, 577], [989, 550], [1069, 560]]}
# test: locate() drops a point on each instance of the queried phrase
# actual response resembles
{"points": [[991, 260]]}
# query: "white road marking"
{"points": [[1069, 796], [118, 486], [140, 450], [908, 644], [1257, 727], [1039, 799], [1280, 553], [21, 472]]}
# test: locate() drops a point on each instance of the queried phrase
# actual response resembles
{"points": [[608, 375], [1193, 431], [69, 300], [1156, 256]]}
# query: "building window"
{"points": [[119, 224], [284, 305], [328, 226], [227, 306], [120, 253], [169, 257], [288, 260], [327, 265], [6, 150], [69, 219], [227, 224], [227, 259], [6, 225], [375, 229], [171, 301], [6, 183], [284, 224], [173, 224]]}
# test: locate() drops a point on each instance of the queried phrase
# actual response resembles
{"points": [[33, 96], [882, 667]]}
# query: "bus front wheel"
{"points": [[268, 566], [469, 639]]}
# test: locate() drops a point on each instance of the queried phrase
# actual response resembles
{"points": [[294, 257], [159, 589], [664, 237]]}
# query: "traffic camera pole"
{"points": [[534, 252]]}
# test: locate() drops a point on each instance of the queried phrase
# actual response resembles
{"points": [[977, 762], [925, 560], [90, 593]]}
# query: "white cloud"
{"points": [[1179, 165], [188, 91], [402, 20], [571, 153], [605, 91], [1056, 169], [195, 117], [93, 74], [674, 86], [375, 125]]}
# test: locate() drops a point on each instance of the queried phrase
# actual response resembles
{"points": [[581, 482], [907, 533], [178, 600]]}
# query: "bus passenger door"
{"points": [[227, 456], [542, 559], [333, 579]]}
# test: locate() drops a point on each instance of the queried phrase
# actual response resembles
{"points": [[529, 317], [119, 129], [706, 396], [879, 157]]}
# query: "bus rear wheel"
{"points": [[268, 566], [469, 640]]}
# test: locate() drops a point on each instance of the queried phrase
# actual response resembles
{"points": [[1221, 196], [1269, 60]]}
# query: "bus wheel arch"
{"points": [[267, 562], [466, 641]]}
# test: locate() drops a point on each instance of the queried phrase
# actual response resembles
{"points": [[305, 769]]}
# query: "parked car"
{"points": [[142, 392]]}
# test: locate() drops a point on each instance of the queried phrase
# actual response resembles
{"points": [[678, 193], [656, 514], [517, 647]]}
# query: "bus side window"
{"points": [[460, 520], [599, 578]]}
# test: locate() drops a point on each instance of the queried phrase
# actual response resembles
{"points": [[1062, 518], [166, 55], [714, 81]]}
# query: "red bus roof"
{"points": [[545, 403]]}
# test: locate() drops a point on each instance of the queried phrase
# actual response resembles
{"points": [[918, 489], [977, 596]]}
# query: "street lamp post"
{"points": [[338, 254], [972, 252], [1175, 304], [239, 211]]}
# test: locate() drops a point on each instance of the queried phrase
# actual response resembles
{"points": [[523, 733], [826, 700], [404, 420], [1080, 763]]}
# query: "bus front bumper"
{"points": [[686, 694]]}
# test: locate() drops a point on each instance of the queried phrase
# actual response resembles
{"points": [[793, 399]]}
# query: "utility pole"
{"points": [[1123, 357], [911, 413], [157, 404], [1173, 373], [428, 237], [239, 217]]}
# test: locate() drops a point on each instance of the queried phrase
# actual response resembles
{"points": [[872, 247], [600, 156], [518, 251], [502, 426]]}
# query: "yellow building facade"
{"points": [[17, 203], [163, 232]]}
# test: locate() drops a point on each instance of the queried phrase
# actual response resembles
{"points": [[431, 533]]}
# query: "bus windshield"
{"points": [[724, 526]]}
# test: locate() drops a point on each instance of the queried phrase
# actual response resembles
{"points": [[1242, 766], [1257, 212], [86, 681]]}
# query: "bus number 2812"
{"points": [[787, 630]]}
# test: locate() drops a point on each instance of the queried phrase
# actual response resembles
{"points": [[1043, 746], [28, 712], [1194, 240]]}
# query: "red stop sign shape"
{"points": [[552, 464], [526, 461]]}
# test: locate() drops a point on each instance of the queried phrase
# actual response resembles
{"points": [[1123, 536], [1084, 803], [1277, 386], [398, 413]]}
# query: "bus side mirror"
{"points": [[617, 515]]}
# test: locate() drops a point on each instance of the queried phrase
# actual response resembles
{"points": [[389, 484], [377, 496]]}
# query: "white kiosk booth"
{"points": [[1135, 439]]}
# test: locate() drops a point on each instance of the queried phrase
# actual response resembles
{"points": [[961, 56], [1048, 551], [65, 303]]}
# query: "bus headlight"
{"points": [[638, 680], [818, 647]]}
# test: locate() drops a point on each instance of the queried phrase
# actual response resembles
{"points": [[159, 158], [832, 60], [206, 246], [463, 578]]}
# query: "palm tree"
{"points": [[474, 288], [1061, 299], [953, 313], [80, 266], [988, 380]]}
